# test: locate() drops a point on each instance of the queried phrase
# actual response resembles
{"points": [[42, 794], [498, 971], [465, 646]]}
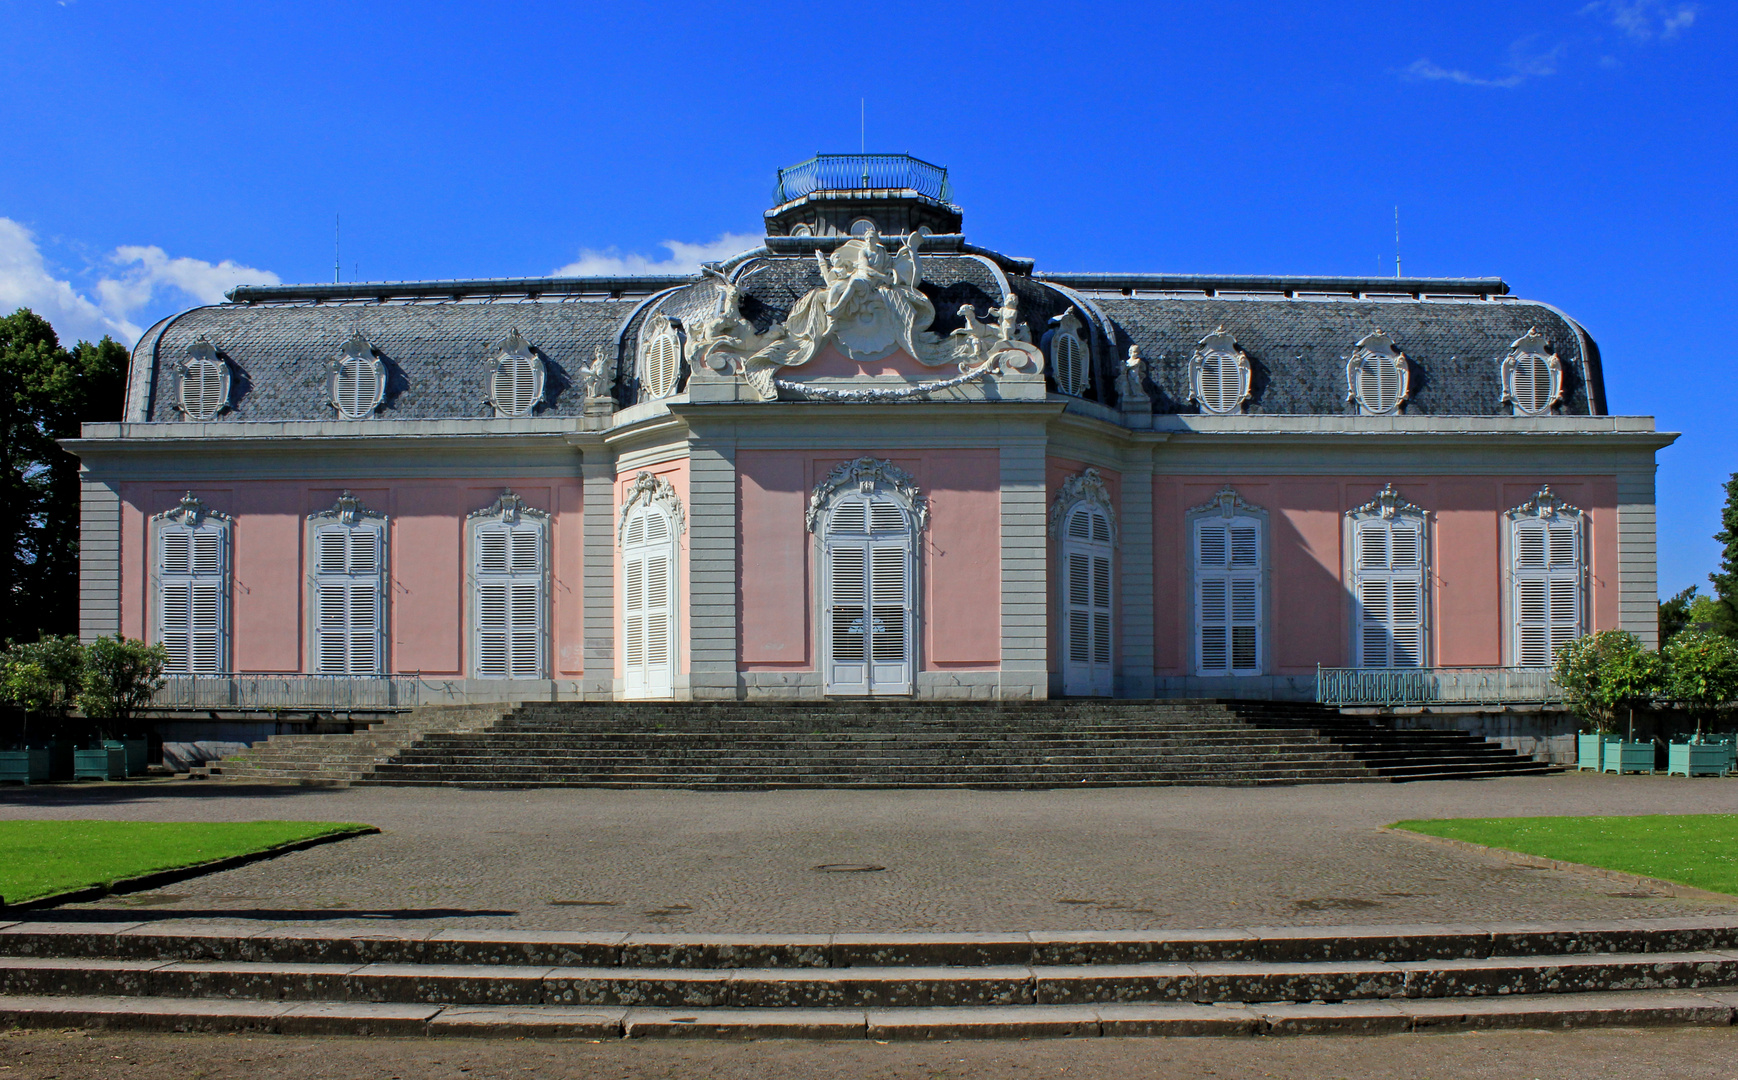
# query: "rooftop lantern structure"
{"points": [[846, 194]]}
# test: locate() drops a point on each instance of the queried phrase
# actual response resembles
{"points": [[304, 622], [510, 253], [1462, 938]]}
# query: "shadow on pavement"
{"points": [[134, 915], [120, 793]]}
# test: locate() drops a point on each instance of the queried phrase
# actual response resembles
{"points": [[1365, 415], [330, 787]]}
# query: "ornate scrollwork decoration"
{"points": [[1545, 503], [510, 507], [650, 490], [1088, 486], [1375, 361], [866, 473], [346, 510], [191, 511], [1226, 503], [1387, 504]]}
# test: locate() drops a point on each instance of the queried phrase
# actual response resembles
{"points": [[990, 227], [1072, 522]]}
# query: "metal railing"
{"points": [[243, 690], [857, 172], [1390, 687]]}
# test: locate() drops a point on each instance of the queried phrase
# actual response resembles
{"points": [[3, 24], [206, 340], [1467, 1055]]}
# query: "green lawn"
{"points": [[41, 858], [1699, 850]]}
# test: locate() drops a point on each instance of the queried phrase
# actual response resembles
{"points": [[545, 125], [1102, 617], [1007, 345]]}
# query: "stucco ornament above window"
{"points": [[652, 491], [191, 511], [1378, 376], [1087, 487], [516, 386], [204, 382], [509, 507], [1227, 503], [356, 382], [1545, 504], [1532, 375], [347, 509], [1219, 374], [868, 473], [1387, 504], [868, 306]]}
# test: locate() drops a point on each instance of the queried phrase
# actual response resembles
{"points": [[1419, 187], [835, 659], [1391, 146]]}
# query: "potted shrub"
{"points": [[1606, 675], [1704, 679], [41, 680], [120, 678]]}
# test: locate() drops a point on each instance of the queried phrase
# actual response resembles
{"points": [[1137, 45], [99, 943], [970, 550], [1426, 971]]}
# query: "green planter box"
{"points": [[1628, 757], [1590, 750], [1696, 759], [107, 763], [137, 751], [24, 766]]}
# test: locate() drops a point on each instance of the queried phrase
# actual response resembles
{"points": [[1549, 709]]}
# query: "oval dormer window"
{"points": [[1532, 375], [1221, 374], [1070, 361], [1378, 377], [517, 384], [661, 358], [204, 382], [358, 380]]}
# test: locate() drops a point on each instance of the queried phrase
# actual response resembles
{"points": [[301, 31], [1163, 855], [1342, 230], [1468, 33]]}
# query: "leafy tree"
{"points": [[1675, 613], [1704, 673], [46, 392], [120, 677], [1608, 673], [43, 678]]}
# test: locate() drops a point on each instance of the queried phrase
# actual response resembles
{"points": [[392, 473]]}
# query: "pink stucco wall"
{"points": [[426, 618], [1310, 605], [959, 564]]}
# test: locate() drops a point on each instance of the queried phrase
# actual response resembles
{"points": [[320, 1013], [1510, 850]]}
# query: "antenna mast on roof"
{"points": [[1396, 241], [335, 264]]}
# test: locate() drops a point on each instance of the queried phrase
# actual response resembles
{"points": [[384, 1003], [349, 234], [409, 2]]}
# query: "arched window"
{"points": [[192, 566], [651, 521], [1070, 359], [1220, 372], [358, 380], [1084, 523], [509, 590], [1532, 375], [348, 563], [660, 357], [204, 387], [516, 386], [1546, 569], [1389, 582], [1227, 556], [1378, 376], [868, 514]]}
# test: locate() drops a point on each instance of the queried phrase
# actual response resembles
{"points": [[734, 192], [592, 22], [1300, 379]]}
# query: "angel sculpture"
{"points": [[594, 378], [870, 303]]}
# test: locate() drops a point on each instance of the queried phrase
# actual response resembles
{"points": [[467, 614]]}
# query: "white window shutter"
{"points": [[867, 597], [193, 596], [1549, 596], [649, 604], [510, 571], [1087, 649], [1388, 591], [1068, 356], [1228, 601], [349, 598]]}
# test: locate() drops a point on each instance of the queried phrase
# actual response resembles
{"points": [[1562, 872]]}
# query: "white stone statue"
{"points": [[594, 378]]}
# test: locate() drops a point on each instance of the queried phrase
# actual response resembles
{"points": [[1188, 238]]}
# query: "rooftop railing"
{"points": [[1404, 687], [289, 692], [861, 172]]}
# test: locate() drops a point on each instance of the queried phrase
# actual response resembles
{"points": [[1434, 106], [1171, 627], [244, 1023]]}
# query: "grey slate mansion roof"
{"points": [[438, 339]]}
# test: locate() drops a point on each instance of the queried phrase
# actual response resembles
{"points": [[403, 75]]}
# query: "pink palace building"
{"points": [[867, 458]]}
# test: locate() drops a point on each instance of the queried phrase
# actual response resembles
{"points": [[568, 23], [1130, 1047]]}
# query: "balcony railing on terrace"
{"points": [[860, 172], [1400, 687], [265, 692]]}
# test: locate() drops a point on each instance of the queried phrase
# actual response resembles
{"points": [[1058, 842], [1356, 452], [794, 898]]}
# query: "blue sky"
{"points": [[157, 153]]}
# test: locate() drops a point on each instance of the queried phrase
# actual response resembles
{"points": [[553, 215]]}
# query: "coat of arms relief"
{"points": [[869, 306]]}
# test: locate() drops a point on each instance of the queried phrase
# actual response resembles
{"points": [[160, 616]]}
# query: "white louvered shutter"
{"points": [[1389, 591], [1530, 383], [358, 387], [1221, 388], [648, 602], [204, 389], [1379, 384], [514, 386], [663, 354], [1548, 587], [349, 599], [193, 597], [510, 601], [867, 597], [1228, 596], [1068, 357], [1086, 556]]}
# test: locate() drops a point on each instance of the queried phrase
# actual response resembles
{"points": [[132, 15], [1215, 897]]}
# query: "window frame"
{"points": [[509, 510], [348, 513], [516, 350], [1227, 505], [1545, 506], [1532, 346], [1219, 347], [1379, 347], [203, 354], [663, 330], [1065, 328], [192, 516], [1388, 506], [358, 351]]}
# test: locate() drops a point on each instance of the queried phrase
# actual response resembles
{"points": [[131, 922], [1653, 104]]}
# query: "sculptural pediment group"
{"points": [[869, 306]]}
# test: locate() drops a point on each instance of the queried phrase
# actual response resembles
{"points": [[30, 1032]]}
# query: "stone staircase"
{"points": [[1241, 982], [993, 745]]}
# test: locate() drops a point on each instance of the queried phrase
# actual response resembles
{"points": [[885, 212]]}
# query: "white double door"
{"points": [[866, 589], [1087, 668], [649, 605]]}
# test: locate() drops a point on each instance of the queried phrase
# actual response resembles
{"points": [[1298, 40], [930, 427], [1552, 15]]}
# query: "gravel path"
{"points": [[674, 862]]}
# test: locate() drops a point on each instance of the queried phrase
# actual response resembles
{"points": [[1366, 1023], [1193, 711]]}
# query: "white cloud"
{"points": [[1524, 63], [1645, 20], [144, 278], [684, 258]]}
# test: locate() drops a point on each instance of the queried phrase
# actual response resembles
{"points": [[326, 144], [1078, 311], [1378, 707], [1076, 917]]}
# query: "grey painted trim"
{"points": [[1280, 283], [712, 567], [99, 558], [393, 290], [1246, 425], [1637, 567], [599, 573], [1025, 661], [1135, 569]]}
